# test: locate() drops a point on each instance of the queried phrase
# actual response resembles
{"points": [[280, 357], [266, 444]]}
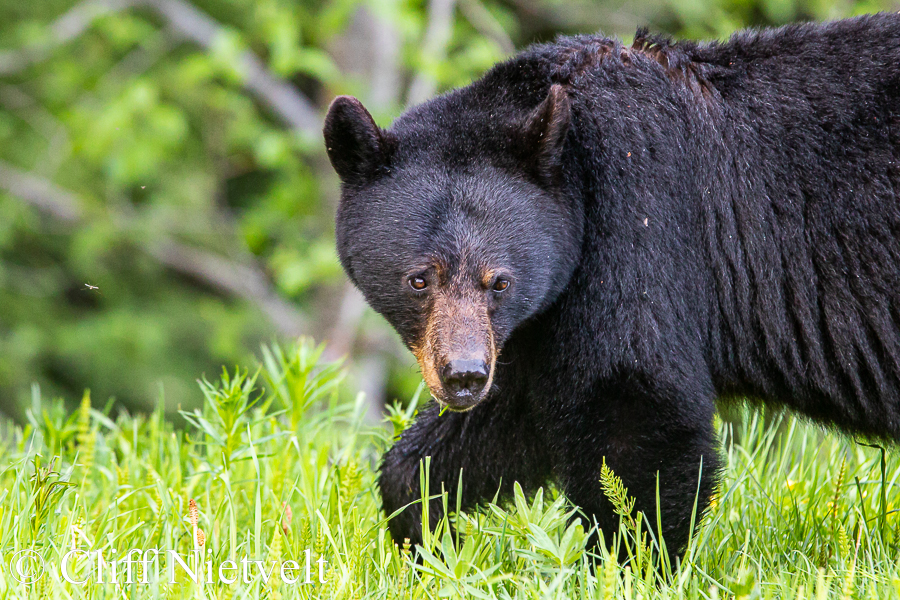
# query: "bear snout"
{"points": [[464, 380]]}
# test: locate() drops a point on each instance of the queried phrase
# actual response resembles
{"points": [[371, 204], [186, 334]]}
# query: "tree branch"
{"points": [[245, 281], [482, 20], [282, 98], [40, 193]]}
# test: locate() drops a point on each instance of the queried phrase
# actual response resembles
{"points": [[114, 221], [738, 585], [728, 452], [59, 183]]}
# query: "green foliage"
{"points": [[632, 533], [399, 416], [85, 436], [225, 417], [299, 379], [46, 489], [617, 493], [799, 514]]}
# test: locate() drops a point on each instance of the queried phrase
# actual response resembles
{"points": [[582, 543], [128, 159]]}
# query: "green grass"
{"points": [[278, 463]]}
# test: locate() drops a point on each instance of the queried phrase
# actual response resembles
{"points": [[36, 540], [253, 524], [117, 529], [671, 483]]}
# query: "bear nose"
{"points": [[464, 377]]}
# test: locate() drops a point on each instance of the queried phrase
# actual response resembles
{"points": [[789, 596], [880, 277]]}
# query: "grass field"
{"points": [[276, 467]]}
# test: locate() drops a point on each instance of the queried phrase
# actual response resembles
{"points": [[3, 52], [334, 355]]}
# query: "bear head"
{"points": [[455, 225]]}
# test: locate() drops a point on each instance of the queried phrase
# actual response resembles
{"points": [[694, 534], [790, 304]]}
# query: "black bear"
{"points": [[588, 246]]}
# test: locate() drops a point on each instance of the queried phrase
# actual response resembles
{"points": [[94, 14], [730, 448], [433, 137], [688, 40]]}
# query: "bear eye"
{"points": [[500, 285], [418, 283]]}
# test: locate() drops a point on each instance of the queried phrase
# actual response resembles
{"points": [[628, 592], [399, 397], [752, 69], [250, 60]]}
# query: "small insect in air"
{"points": [[88, 286]]}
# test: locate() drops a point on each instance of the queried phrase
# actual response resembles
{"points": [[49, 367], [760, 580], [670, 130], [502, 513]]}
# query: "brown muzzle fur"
{"points": [[457, 354]]}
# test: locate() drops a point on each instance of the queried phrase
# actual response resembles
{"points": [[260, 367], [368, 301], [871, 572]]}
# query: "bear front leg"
{"points": [[641, 429], [494, 444]]}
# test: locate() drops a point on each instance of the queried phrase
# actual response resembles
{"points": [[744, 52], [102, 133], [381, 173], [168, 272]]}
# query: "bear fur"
{"points": [[616, 237]]}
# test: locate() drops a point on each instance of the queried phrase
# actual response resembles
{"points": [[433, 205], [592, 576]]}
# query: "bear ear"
{"points": [[356, 146], [544, 134]]}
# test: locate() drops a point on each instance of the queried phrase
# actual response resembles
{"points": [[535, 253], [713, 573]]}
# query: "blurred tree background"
{"points": [[168, 153]]}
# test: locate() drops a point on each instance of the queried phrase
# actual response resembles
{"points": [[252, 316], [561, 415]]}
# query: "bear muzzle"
{"points": [[457, 351], [458, 381]]}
